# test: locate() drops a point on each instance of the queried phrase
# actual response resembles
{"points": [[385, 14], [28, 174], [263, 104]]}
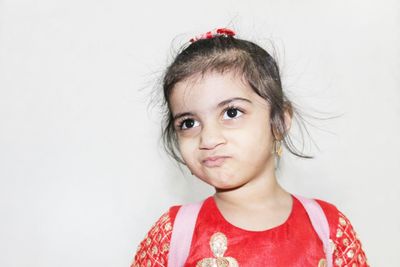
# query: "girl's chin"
{"points": [[221, 189], [222, 184]]}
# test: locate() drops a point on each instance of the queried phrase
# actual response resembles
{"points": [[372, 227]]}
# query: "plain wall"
{"points": [[82, 172]]}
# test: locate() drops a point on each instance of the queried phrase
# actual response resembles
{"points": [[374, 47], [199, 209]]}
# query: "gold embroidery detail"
{"points": [[350, 253], [148, 241], [348, 249], [154, 250], [339, 233], [322, 263], [339, 262], [167, 227], [165, 248], [219, 245]]}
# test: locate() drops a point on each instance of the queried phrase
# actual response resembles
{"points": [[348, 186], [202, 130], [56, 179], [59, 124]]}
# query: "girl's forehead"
{"points": [[210, 87]]}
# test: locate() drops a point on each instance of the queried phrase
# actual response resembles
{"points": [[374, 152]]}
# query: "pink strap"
{"points": [[182, 232], [320, 224]]}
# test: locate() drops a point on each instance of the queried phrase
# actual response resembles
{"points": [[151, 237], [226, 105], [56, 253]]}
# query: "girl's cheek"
{"points": [[187, 150], [186, 144]]}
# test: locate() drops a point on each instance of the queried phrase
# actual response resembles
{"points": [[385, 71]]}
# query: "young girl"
{"points": [[227, 120]]}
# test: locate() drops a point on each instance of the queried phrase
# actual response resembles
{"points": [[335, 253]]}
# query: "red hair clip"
{"points": [[213, 33]]}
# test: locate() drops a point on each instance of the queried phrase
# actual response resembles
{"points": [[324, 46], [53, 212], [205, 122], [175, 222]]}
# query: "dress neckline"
{"points": [[219, 214]]}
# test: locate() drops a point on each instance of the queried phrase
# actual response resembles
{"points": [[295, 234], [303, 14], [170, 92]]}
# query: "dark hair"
{"points": [[221, 54]]}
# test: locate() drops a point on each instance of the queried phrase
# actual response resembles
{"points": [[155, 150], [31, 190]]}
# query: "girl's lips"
{"points": [[214, 161]]}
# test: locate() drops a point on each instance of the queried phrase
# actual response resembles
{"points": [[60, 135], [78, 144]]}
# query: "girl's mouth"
{"points": [[215, 161]]}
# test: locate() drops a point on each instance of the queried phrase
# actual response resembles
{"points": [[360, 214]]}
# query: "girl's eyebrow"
{"points": [[221, 104], [183, 114], [225, 102]]}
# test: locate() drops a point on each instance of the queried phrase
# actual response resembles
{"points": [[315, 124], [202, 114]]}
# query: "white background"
{"points": [[82, 173]]}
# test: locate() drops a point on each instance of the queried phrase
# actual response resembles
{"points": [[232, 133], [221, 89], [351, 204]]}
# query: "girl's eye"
{"points": [[232, 113], [188, 123]]}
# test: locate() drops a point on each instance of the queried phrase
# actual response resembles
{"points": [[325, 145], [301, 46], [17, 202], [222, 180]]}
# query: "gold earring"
{"points": [[278, 147]]}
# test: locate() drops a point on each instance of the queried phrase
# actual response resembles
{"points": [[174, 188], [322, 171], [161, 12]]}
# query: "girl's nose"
{"points": [[211, 136]]}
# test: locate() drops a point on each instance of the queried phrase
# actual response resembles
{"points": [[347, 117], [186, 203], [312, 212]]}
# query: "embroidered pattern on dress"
{"points": [[347, 246], [153, 250], [322, 263], [219, 245]]}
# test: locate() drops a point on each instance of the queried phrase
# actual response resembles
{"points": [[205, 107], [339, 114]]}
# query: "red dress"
{"points": [[293, 243]]}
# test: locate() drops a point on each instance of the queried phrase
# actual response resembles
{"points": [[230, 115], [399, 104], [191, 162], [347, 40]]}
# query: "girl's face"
{"points": [[223, 129]]}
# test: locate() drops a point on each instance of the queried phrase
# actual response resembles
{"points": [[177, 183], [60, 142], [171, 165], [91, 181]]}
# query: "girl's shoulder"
{"points": [[347, 248], [332, 213], [153, 250], [336, 219]]}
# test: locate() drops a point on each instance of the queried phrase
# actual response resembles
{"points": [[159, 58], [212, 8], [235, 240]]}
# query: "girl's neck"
{"points": [[257, 206], [258, 194]]}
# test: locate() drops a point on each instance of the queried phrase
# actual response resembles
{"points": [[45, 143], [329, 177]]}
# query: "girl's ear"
{"points": [[281, 128], [288, 115]]}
